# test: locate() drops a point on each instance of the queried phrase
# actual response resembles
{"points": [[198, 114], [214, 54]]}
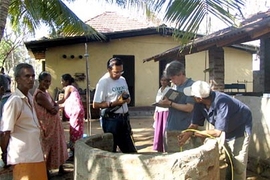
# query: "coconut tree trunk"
{"points": [[4, 5]]}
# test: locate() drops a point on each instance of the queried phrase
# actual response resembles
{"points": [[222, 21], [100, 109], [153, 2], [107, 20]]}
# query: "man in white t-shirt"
{"points": [[112, 97]]}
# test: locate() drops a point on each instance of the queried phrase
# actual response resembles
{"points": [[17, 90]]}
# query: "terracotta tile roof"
{"points": [[248, 30], [115, 22]]}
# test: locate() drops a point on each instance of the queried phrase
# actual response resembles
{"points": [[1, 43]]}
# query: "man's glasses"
{"points": [[118, 72]]}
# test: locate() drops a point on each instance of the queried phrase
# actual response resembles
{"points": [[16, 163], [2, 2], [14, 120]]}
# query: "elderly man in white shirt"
{"points": [[21, 131]]}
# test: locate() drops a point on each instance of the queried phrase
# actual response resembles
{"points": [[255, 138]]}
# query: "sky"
{"points": [[86, 9]]}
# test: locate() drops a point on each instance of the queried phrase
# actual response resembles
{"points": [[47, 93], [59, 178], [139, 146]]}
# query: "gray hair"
{"points": [[174, 68], [4, 82], [19, 67]]}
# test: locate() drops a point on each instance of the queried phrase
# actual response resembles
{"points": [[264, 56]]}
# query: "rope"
{"points": [[212, 137]]}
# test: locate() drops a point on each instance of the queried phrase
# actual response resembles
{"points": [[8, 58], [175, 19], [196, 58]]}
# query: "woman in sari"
{"points": [[73, 109], [160, 116], [53, 139]]}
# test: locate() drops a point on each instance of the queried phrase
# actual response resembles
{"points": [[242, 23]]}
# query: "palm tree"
{"points": [[3, 16], [187, 15], [53, 13]]}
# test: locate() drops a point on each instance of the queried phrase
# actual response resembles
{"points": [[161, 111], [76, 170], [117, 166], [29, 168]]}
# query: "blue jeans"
{"points": [[120, 127]]}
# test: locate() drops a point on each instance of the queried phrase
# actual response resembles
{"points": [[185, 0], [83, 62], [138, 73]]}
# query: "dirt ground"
{"points": [[143, 135]]}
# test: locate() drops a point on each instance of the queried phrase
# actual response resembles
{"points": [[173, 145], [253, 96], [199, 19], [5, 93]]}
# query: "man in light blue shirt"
{"points": [[180, 110]]}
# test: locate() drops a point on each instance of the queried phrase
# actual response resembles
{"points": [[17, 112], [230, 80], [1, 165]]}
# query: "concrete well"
{"points": [[93, 160]]}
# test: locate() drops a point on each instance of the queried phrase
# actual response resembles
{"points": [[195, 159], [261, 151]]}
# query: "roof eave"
{"points": [[44, 44], [178, 51]]}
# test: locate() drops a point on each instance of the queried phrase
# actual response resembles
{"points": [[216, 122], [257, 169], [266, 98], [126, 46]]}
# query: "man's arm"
{"points": [[5, 136], [118, 102], [184, 136], [210, 132], [104, 104], [181, 107]]}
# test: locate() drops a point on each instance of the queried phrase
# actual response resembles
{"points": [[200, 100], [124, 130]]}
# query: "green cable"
{"points": [[212, 137]]}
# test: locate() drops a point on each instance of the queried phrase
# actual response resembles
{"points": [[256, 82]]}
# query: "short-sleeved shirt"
{"points": [[226, 114], [19, 117], [108, 89], [180, 120]]}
